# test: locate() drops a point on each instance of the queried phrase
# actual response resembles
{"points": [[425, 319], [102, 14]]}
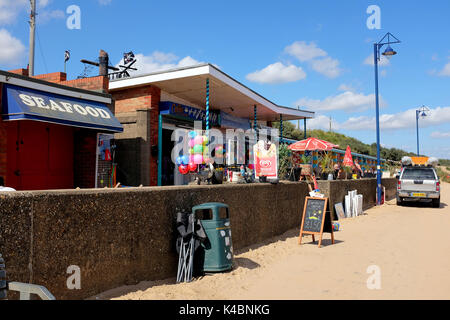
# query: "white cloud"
{"points": [[9, 9], [104, 2], [445, 72], [12, 50], [346, 87], [159, 61], [43, 3], [45, 16], [322, 122], [327, 66], [277, 73], [348, 100], [401, 120], [316, 57], [440, 135], [305, 52], [383, 62]]}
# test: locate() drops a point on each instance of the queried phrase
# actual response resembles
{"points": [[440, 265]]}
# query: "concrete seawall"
{"points": [[124, 236]]}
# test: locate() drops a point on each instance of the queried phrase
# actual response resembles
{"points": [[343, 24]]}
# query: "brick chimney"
{"points": [[104, 62]]}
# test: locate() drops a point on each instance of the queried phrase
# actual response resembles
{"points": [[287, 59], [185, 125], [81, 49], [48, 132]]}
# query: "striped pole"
{"points": [[255, 124], [281, 127], [207, 105], [206, 152], [160, 142]]}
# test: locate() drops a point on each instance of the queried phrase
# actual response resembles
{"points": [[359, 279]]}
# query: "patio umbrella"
{"points": [[348, 159], [312, 144]]}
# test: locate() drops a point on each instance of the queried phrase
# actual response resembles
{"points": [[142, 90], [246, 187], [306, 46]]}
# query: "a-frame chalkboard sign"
{"points": [[316, 219]]}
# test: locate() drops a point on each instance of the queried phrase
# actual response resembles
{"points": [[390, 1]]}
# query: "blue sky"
{"points": [[316, 54]]}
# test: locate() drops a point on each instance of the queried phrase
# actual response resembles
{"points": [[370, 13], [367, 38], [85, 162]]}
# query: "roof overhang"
{"points": [[226, 93]]}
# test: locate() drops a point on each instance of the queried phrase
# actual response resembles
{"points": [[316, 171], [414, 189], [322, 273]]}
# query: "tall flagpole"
{"points": [[32, 34]]}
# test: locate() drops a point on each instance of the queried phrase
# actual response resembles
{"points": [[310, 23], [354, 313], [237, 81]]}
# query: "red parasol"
{"points": [[312, 144], [348, 159]]}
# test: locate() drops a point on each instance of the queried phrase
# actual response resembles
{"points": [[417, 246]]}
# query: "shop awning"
{"points": [[20, 103]]}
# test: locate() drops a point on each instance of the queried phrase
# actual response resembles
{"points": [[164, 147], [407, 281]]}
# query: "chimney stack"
{"points": [[104, 62]]}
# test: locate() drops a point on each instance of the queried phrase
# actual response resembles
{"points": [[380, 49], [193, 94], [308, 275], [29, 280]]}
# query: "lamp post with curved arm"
{"points": [[421, 112], [388, 53]]}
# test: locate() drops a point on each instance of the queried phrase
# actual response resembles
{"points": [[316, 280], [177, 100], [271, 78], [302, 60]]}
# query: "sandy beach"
{"points": [[409, 245]]}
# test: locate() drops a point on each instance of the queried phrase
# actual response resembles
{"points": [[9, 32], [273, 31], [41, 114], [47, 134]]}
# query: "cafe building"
{"points": [[152, 106], [50, 131]]}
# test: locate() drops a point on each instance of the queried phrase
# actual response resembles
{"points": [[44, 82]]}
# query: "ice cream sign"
{"points": [[266, 160]]}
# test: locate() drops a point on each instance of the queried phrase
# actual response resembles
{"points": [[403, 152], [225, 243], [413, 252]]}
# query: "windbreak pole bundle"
{"points": [[191, 235]]}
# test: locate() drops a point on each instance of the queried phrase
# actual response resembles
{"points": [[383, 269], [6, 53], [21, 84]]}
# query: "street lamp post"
{"points": [[388, 53], [420, 113]]}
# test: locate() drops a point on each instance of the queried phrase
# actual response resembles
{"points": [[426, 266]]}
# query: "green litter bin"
{"points": [[218, 249]]}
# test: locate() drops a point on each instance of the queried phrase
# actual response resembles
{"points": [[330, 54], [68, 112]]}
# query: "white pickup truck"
{"points": [[417, 183]]}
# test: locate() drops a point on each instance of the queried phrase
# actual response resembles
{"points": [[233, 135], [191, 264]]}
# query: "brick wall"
{"points": [[142, 98], [56, 77], [21, 72], [99, 83], [84, 158]]}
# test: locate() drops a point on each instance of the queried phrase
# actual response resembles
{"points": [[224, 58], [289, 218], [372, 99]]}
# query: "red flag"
{"points": [[348, 160]]}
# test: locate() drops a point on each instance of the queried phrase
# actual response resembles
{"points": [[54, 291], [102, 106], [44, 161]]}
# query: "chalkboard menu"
{"points": [[316, 219], [314, 214]]}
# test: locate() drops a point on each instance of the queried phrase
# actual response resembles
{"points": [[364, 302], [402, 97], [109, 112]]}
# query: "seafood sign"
{"points": [[266, 160]]}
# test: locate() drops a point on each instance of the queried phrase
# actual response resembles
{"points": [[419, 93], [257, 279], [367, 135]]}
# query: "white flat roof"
{"points": [[226, 93]]}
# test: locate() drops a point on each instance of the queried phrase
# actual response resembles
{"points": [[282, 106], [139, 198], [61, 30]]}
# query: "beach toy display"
{"points": [[198, 148], [183, 169], [192, 166], [183, 164], [336, 226]]}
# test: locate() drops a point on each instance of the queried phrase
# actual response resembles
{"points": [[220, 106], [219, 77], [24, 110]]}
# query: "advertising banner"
{"points": [[266, 159]]}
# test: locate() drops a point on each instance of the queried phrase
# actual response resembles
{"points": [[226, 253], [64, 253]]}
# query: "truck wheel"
{"points": [[2, 279], [437, 203], [399, 201]]}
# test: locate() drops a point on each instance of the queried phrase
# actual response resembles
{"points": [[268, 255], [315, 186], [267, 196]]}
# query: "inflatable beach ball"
{"points": [[185, 160], [192, 166], [183, 169], [192, 134], [198, 149], [198, 158]]}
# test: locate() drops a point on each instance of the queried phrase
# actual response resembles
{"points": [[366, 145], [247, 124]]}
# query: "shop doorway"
{"points": [[168, 167], [40, 156]]}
